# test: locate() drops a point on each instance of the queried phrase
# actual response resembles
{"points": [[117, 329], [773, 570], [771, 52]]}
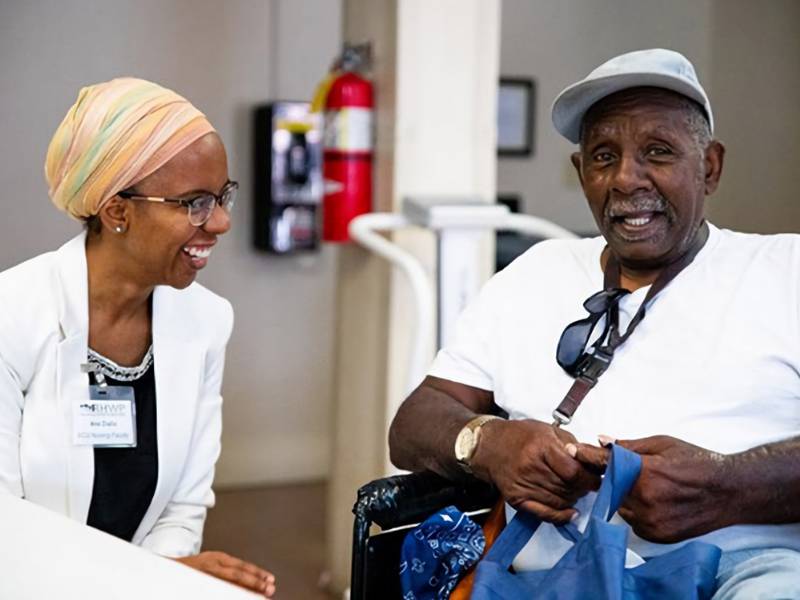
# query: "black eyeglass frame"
{"points": [[219, 200], [590, 364]]}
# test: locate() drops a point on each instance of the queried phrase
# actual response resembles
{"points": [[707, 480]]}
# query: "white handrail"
{"points": [[535, 226], [363, 230]]}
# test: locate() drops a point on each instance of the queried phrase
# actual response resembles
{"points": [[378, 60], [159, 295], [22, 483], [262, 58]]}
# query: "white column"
{"points": [[435, 71]]}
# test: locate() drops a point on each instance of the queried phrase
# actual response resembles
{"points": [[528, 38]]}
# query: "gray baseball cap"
{"points": [[652, 68]]}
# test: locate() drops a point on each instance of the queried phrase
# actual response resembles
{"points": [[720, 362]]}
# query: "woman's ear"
{"points": [[114, 215]]}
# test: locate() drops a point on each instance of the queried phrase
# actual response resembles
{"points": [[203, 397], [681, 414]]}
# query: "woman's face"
{"points": [[167, 248]]}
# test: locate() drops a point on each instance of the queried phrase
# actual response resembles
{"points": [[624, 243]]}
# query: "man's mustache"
{"points": [[622, 207]]}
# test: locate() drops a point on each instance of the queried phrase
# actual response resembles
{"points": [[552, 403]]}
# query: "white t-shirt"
{"points": [[715, 362]]}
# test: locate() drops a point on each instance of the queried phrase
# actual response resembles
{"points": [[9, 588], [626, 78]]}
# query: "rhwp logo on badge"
{"points": [[106, 408]]}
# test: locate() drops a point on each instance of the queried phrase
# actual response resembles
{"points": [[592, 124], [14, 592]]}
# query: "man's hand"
{"points": [[529, 463], [234, 570], [680, 493]]}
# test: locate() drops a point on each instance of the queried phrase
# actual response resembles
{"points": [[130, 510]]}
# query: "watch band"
{"points": [[472, 428]]}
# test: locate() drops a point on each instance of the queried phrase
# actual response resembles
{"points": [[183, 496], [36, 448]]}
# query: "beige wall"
{"points": [[556, 43], [755, 78], [226, 57], [741, 50]]}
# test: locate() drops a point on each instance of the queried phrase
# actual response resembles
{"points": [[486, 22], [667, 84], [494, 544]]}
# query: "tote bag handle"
{"points": [[621, 473]]}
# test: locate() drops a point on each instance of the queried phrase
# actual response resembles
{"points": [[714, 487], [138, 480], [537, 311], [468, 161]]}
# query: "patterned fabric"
{"points": [[111, 369], [116, 134], [437, 553]]}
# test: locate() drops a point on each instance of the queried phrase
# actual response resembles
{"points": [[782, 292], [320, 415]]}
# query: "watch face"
{"points": [[465, 443]]}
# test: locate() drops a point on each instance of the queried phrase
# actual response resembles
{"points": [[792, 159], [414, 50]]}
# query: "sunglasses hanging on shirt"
{"points": [[586, 365]]}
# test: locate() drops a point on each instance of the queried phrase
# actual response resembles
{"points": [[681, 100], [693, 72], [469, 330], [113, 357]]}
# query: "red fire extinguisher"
{"points": [[347, 147]]}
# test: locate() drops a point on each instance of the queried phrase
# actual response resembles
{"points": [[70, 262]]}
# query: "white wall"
{"points": [[556, 43], [225, 57]]}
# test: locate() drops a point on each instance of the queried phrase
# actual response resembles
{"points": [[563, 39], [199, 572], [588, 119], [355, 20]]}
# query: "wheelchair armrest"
{"points": [[407, 499]]}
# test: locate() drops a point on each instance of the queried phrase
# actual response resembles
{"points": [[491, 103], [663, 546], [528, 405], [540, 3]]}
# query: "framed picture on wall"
{"points": [[515, 110]]}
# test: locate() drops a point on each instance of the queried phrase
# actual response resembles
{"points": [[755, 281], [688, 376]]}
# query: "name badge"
{"points": [[107, 419]]}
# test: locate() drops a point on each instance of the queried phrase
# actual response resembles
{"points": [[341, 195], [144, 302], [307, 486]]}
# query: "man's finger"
{"points": [[546, 513], [562, 464], [627, 514], [590, 456], [549, 499], [648, 445]]}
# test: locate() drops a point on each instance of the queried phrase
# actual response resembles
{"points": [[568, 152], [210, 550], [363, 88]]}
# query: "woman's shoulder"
{"points": [[29, 319], [36, 267], [24, 287]]}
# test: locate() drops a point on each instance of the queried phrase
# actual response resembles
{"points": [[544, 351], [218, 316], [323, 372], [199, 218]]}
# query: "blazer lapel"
{"points": [[73, 387], [177, 364], [72, 384]]}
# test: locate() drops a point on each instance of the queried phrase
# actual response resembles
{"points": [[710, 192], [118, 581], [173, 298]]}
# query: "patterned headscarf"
{"points": [[116, 134]]}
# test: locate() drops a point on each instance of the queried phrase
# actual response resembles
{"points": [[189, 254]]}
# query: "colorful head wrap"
{"points": [[116, 134]]}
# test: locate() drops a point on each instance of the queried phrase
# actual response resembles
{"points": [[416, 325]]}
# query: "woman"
{"points": [[111, 358]]}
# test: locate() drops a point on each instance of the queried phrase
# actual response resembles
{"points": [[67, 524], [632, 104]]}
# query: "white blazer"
{"points": [[44, 327]]}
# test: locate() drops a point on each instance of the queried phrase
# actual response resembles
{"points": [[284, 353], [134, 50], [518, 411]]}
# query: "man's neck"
{"points": [[633, 278]]}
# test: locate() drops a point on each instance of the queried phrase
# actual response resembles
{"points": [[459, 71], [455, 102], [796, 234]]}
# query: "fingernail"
{"points": [[605, 440], [575, 517], [572, 450]]}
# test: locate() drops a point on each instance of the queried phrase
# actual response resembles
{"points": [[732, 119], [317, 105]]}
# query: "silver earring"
{"points": [[119, 229]]}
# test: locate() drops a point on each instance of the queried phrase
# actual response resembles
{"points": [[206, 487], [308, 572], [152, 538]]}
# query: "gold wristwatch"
{"points": [[468, 438]]}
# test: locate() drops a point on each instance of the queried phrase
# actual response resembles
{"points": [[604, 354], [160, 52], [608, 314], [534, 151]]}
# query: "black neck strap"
{"points": [[596, 364]]}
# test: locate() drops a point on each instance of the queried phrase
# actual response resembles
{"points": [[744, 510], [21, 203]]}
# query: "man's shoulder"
{"points": [[778, 247], [557, 256]]}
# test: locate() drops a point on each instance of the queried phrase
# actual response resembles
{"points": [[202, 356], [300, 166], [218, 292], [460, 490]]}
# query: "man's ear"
{"points": [[714, 158], [575, 158], [114, 215]]}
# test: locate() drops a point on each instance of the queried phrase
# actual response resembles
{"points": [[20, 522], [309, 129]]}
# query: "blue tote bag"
{"points": [[594, 567]]}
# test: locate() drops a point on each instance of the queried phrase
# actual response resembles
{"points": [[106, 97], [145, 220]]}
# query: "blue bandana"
{"points": [[437, 553]]}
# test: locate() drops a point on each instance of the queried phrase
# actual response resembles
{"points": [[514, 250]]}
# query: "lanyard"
{"points": [[598, 362]]}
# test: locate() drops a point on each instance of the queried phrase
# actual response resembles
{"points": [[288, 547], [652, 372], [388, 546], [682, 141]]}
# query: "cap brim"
{"points": [[571, 105]]}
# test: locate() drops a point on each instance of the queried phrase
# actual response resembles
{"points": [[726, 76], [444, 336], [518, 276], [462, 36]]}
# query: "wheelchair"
{"points": [[396, 505]]}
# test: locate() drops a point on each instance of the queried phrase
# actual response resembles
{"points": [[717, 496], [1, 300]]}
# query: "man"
{"points": [[706, 386]]}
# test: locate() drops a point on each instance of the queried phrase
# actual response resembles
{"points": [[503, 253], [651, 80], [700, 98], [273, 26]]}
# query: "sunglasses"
{"points": [[200, 207], [571, 353]]}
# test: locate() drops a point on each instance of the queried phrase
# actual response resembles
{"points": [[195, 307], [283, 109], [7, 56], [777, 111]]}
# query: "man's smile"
{"points": [[637, 219]]}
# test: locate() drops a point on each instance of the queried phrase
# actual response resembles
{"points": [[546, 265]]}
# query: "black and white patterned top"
{"points": [[125, 478]]}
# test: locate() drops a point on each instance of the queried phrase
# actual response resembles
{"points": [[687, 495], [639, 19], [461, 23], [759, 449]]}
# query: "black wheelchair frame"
{"points": [[397, 504]]}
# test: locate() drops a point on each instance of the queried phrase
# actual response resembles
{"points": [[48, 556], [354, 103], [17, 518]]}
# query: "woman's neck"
{"points": [[115, 290]]}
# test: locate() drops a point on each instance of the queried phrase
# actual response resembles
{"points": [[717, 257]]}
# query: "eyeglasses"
{"points": [[571, 352], [201, 207]]}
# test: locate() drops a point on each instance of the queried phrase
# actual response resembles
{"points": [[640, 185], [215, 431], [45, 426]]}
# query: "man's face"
{"points": [[645, 175]]}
